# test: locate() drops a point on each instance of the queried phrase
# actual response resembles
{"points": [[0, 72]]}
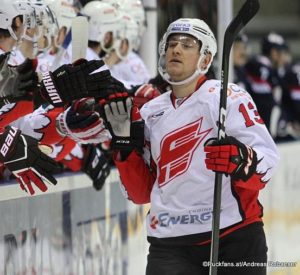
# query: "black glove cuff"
{"points": [[8, 142], [50, 92], [248, 155]]}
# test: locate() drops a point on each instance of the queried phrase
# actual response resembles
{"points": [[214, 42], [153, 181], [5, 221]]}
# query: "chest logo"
{"points": [[177, 149]]}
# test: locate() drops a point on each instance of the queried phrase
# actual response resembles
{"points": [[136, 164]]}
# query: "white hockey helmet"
{"points": [[64, 11], [128, 31], [101, 16], [105, 24], [48, 27], [135, 9], [9, 9], [196, 28]]}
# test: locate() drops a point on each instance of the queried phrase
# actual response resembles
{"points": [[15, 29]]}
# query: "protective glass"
{"points": [[186, 42]]}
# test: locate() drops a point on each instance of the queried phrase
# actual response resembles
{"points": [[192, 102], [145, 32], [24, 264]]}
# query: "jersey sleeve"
{"points": [[136, 178], [245, 124], [41, 125], [13, 111]]}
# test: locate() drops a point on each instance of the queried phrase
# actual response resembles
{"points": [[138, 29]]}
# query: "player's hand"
{"points": [[145, 93], [21, 155], [95, 165], [230, 156], [17, 82], [82, 124], [78, 80], [124, 121]]}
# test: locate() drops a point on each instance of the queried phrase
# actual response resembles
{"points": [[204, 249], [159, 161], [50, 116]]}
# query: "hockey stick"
{"points": [[79, 32], [61, 51], [245, 14], [80, 29]]}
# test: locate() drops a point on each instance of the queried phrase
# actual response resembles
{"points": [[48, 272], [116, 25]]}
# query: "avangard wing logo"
{"points": [[177, 149]]}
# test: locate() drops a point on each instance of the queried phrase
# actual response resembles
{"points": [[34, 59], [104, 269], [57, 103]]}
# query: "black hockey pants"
{"points": [[242, 252]]}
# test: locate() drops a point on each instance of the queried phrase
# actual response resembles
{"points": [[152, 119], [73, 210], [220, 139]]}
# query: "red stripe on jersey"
{"points": [[232, 229], [258, 79], [246, 194]]}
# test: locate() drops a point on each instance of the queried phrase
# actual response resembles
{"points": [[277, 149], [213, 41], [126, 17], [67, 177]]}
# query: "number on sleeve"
{"points": [[247, 112]]}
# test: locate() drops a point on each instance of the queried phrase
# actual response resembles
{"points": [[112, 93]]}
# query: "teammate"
{"points": [[240, 57], [18, 152], [168, 152], [291, 100], [265, 73]]}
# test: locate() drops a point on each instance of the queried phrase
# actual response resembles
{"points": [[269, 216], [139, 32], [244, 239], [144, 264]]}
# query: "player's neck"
{"points": [[185, 89]]}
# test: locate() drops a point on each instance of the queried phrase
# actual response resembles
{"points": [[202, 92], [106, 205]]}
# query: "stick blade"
{"points": [[80, 27]]}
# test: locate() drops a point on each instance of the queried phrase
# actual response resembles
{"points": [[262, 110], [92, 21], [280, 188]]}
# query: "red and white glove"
{"points": [[21, 155], [144, 94], [82, 124], [230, 156]]}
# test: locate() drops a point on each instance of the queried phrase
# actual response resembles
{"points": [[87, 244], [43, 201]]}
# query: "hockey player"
{"points": [[264, 73], [291, 101], [19, 152], [132, 66], [118, 33], [240, 57], [168, 152]]}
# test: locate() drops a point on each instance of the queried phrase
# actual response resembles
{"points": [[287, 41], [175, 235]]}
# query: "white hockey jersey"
{"points": [[181, 192], [131, 71]]}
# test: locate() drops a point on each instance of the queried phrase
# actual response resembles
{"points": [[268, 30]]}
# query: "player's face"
{"points": [[108, 39], [239, 53], [27, 45], [182, 56]]}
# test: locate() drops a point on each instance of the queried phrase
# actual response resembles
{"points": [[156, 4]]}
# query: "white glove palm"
{"points": [[119, 117]]}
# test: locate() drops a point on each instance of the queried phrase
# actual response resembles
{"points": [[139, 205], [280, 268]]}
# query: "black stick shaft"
{"points": [[246, 13]]}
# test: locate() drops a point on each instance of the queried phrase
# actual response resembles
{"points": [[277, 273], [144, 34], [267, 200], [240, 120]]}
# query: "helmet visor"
{"points": [[186, 41]]}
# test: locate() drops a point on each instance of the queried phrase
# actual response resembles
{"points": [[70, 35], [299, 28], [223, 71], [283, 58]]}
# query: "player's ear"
{"points": [[206, 61]]}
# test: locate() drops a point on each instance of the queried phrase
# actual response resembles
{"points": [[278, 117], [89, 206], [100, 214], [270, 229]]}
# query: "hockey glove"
{"points": [[231, 157], [81, 123], [17, 82], [21, 155], [125, 123], [96, 166], [145, 93], [75, 81]]}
